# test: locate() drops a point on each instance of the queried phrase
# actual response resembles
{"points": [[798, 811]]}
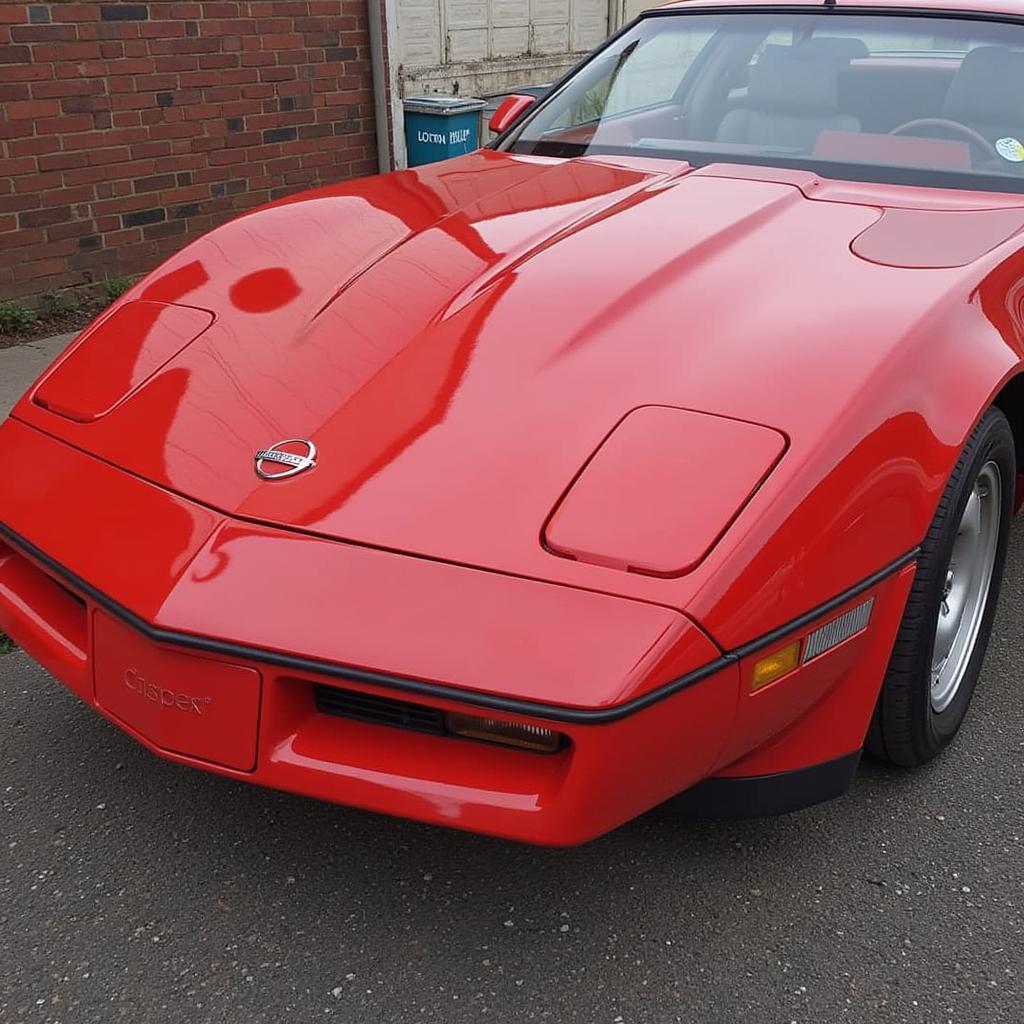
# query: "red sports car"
{"points": [[668, 445]]}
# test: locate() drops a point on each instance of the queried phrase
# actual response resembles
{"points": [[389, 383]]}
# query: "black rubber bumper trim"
{"points": [[474, 698], [766, 796]]}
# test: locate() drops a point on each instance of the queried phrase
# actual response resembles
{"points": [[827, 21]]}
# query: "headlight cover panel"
{"points": [[116, 356], [661, 490]]}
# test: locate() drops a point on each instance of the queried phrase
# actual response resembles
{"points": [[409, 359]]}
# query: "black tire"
{"points": [[906, 729]]}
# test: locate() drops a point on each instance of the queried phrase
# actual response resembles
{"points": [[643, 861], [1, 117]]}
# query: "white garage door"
{"points": [[484, 47], [631, 8]]}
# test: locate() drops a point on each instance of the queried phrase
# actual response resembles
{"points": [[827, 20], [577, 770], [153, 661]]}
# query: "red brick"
{"points": [[20, 242], [27, 72], [154, 183], [16, 129], [89, 137], [65, 196], [185, 194], [67, 51], [38, 182], [32, 109], [131, 66], [179, 46], [14, 54], [176, 62], [96, 143], [84, 104], [277, 74], [281, 40], [267, 26], [227, 27], [241, 108], [75, 12], [73, 229], [179, 130], [14, 91], [62, 161], [41, 217], [42, 33], [254, 60], [162, 29], [23, 165], [106, 156], [60, 88], [258, 91], [218, 61], [156, 81], [151, 149], [26, 271], [239, 76], [123, 237], [164, 229]]}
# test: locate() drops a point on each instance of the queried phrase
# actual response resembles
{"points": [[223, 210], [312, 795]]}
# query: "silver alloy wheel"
{"points": [[966, 587]]}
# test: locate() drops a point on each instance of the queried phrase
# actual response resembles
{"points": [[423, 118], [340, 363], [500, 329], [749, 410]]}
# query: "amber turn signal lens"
{"points": [[510, 734], [775, 666]]}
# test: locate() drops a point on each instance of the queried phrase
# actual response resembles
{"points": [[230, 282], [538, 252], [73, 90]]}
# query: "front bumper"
{"points": [[205, 638]]}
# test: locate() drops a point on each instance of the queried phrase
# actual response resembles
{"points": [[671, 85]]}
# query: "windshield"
{"points": [[924, 100]]}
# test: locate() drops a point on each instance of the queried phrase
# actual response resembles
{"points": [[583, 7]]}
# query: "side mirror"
{"points": [[509, 112]]}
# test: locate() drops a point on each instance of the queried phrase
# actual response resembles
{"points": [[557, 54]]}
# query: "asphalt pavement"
{"points": [[132, 889], [136, 890]]}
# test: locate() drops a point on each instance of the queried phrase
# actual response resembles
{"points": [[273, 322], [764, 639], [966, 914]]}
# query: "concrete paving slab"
{"points": [[22, 364]]}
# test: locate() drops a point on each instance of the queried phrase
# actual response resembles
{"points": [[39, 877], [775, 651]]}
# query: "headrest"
{"points": [[838, 48], [795, 80], [988, 88]]}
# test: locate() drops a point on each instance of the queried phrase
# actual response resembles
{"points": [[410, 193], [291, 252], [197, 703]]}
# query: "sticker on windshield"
{"points": [[1010, 149]]}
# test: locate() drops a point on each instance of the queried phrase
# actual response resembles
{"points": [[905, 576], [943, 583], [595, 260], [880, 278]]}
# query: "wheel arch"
{"points": [[1010, 401]]}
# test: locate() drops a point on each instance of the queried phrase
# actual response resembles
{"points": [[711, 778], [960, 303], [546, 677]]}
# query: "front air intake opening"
{"points": [[401, 714]]}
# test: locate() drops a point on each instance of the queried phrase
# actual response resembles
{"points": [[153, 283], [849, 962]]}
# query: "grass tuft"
{"points": [[115, 287], [14, 317], [6, 644], [54, 304]]}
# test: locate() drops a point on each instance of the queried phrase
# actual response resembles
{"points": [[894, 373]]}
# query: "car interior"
{"points": [[827, 96]]}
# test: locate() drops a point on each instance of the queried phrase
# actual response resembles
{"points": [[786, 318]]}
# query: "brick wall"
{"points": [[128, 128]]}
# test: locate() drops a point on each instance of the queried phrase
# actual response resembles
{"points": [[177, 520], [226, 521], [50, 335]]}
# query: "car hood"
{"points": [[458, 341]]}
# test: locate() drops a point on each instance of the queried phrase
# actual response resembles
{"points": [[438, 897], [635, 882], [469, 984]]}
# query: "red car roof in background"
{"points": [[944, 6]]}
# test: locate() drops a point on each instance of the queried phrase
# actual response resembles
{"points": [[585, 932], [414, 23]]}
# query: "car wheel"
{"points": [[945, 629]]}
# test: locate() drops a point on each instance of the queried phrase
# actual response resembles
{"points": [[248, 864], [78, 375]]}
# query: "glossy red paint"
{"points": [[447, 386], [996, 7], [610, 772], [460, 342], [509, 111], [661, 489], [49, 621], [919, 239], [188, 705], [118, 356]]}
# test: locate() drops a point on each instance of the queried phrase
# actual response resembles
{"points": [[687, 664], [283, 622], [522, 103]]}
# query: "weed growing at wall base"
{"points": [[14, 317], [115, 287]]}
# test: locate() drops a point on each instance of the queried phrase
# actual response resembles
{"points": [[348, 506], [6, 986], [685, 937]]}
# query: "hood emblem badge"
{"points": [[286, 458]]}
